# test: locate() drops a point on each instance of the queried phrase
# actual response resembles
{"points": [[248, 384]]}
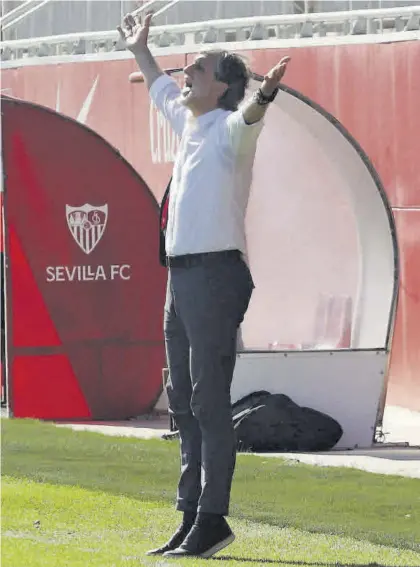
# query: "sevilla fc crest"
{"points": [[87, 225]]}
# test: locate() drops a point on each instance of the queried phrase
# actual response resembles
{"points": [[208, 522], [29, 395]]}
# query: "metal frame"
{"points": [[22, 16], [392, 226], [16, 11]]}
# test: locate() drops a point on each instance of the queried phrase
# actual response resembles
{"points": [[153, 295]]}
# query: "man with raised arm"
{"points": [[209, 283]]}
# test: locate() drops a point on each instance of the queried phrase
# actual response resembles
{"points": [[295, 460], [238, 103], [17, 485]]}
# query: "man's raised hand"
{"points": [[274, 76], [133, 34]]}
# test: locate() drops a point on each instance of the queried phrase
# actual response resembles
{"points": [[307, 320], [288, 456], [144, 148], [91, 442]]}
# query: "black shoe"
{"points": [[204, 540], [175, 541]]}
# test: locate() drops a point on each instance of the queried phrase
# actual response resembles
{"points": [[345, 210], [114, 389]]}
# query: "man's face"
{"points": [[202, 90]]}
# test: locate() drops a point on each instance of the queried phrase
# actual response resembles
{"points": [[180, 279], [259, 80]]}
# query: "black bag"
{"points": [[273, 422]]}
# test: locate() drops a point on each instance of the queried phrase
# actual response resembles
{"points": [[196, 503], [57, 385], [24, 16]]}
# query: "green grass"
{"points": [[102, 501]]}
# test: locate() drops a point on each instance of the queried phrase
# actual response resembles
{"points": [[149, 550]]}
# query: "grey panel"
{"points": [[69, 16]]}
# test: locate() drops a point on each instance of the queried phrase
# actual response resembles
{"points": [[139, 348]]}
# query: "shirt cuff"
{"points": [[259, 123], [159, 84]]}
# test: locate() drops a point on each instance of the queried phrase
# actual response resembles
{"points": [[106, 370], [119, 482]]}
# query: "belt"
{"points": [[190, 260]]}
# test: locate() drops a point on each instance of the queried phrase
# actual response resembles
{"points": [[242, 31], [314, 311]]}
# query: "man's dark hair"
{"points": [[232, 70]]}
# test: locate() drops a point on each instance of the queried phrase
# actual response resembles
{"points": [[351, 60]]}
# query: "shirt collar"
{"points": [[208, 117]]}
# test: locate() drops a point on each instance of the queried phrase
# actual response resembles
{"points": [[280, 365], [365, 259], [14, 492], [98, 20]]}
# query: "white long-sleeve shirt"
{"points": [[211, 176]]}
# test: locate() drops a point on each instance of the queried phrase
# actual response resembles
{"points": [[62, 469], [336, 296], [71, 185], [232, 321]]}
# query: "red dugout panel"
{"points": [[2, 318], [85, 288]]}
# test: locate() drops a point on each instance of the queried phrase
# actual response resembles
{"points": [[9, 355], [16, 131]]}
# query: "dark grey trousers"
{"points": [[205, 305]]}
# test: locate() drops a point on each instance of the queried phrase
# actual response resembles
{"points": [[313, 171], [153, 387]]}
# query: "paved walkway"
{"points": [[388, 460], [398, 455]]}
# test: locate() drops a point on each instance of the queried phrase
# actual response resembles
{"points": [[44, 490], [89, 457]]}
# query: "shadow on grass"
{"points": [[297, 563]]}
